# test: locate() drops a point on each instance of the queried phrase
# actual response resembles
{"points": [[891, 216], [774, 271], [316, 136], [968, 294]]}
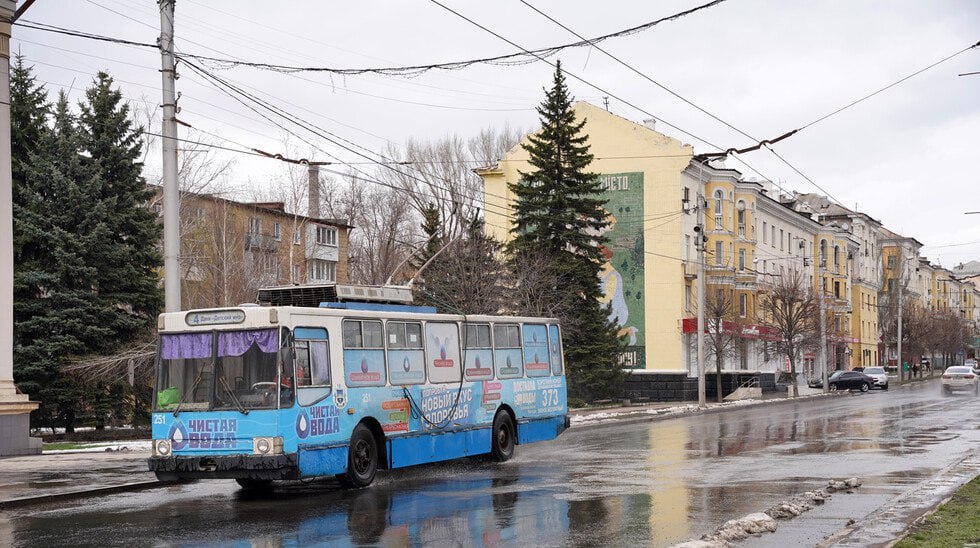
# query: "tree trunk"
{"points": [[792, 373], [718, 360]]}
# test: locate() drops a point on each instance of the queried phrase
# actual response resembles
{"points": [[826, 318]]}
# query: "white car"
{"points": [[879, 375], [960, 377]]}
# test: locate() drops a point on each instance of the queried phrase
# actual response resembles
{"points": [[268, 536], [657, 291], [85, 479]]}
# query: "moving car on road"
{"points": [[960, 377], [879, 375]]}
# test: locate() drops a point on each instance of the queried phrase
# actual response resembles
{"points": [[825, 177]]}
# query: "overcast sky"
{"points": [[906, 157]]}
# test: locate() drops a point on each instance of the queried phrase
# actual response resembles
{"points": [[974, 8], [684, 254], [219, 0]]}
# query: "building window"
{"points": [[765, 234], [326, 235], [718, 253], [823, 253], [772, 241], [254, 225], [781, 239], [297, 272], [323, 271], [741, 259], [743, 305], [296, 236], [836, 258], [276, 232]]}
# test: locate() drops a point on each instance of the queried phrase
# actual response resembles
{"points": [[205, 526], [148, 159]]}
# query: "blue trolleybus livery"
{"points": [[263, 393]]}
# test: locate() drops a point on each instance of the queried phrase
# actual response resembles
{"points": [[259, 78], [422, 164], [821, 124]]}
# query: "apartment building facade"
{"points": [[229, 249]]}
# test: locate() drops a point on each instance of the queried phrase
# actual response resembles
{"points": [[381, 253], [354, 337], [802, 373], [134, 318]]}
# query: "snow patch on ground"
{"points": [[765, 522], [106, 447], [601, 416]]}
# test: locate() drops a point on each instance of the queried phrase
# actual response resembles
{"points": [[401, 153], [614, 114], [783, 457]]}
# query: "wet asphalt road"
{"points": [[653, 483]]}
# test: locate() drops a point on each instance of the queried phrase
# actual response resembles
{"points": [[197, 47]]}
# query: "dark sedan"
{"points": [[846, 380]]}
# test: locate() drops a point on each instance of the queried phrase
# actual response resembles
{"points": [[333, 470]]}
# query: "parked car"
{"points": [[972, 364], [845, 380], [850, 380], [960, 377], [879, 375]]}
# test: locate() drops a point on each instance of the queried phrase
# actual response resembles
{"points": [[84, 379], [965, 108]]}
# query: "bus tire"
{"points": [[362, 458], [254, 484], [503, 439]]}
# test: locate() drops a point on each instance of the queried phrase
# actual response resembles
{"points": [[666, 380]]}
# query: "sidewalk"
{"points": [[41, 478]]}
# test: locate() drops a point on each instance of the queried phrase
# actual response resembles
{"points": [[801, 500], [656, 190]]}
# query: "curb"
{"points": [[73, 495], [643, 417]]}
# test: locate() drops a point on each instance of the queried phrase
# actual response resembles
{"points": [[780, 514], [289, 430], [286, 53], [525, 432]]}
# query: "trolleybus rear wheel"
{"points": [[362, 458], [502, 443]]}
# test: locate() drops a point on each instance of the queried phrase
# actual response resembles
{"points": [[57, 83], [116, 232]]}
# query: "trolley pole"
{"points": [[823, 332], [898, 289], [171, 192]]}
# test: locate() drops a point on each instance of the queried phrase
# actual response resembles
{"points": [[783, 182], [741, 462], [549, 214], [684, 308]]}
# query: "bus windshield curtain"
{"points": [[230, 343]]}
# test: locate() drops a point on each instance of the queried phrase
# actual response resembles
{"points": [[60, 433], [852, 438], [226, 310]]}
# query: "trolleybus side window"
{"points": [[406, 357], [507, 351], [478, 354], [536, 363], [364, 355], [554, 345], [442, 351]]}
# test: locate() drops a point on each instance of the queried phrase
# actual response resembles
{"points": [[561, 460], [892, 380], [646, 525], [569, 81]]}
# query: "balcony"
{"points": [[261, 242]]}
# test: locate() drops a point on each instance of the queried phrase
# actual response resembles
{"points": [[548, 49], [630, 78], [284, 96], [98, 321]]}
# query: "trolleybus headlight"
{"points": [[162, 448], [267, 446]]}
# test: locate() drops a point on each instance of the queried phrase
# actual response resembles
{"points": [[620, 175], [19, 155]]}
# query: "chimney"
{"points": [[314, 207], [650, 123]]}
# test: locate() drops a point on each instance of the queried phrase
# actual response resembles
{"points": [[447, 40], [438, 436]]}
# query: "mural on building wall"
{"points": [[622, 275]]}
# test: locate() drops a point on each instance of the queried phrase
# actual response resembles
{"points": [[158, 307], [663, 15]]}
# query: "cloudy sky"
{"points": [[906, 156]]}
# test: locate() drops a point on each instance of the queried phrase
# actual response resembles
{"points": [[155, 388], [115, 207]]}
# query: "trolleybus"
{"points": [[346, 380]]}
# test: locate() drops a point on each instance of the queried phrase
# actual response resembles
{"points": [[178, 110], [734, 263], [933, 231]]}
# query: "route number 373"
{"points": [[549, 397]]}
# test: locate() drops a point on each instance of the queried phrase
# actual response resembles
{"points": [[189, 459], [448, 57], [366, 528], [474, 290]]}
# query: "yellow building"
{"points": [[640, 170]]}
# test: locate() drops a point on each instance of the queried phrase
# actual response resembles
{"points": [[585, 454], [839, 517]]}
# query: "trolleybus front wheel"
{"points": [[362, 458], [502, 443]]}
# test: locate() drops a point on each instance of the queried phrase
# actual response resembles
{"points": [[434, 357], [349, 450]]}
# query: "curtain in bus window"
{"points": [[442, 349], [554, 345], [185, 345], [236, 343], [536, 362]]}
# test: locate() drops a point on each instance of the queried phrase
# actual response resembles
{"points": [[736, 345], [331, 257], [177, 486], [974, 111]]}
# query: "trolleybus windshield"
{"points": [[218, 370]]}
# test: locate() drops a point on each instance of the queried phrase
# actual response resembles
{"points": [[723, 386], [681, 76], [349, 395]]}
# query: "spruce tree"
{"points": [[559, 215], [86, 259]]}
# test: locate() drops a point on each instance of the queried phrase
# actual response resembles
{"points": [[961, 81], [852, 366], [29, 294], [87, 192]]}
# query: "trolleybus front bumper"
{"points": [[263, 467]]}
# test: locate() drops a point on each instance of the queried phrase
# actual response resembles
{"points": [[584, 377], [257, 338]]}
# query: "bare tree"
{"points": [[789, 306], [723, 339]]}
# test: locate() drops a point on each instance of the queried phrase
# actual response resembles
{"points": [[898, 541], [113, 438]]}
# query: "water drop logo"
{"points": [[536, 360], [178, 436], [509, 362], [554, 348], [364, 367], [477, 363], [406, 365], [302, 425], [534, 336]]}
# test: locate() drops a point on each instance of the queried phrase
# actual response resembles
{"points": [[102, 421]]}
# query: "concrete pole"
{"points": [[823, 332], [15, 408], [901, 374], [171, 192], [702, 203]]}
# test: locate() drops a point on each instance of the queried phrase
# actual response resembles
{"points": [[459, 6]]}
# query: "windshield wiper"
{"points": [[224, 384], [197, 381]]}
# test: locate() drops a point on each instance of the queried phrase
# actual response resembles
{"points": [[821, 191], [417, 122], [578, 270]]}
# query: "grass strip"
{"points": [[953, 524]]}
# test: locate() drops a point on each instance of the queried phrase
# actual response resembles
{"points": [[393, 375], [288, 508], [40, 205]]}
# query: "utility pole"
{"points": [[823, 326], [15, 408], [171, 192], [701, 242], [898, 288]]}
